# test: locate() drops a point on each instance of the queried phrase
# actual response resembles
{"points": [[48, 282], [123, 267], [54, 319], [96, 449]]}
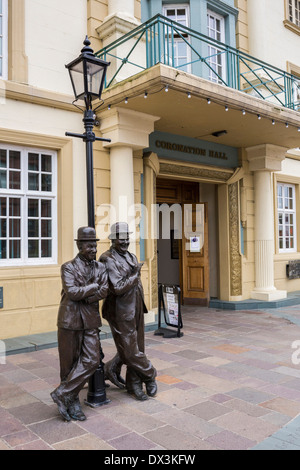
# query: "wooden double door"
{"points": [[192, 246]]}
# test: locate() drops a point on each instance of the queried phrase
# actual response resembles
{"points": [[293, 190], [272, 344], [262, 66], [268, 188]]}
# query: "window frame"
{"points": [[295, 71], [221, 18], [290, 21], [25, 194], [294, 11], [296, 93], [4, 36], [285, 211], [177, 6]]}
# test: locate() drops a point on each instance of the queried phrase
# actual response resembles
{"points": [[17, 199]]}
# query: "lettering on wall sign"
{"points": [[189, 149]]}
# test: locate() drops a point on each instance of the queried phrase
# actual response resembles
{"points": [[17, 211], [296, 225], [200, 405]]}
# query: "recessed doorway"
{"points": [[182, 245]]}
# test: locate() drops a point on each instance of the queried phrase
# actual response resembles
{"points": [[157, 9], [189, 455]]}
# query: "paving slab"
{"points": [[229, 383]]}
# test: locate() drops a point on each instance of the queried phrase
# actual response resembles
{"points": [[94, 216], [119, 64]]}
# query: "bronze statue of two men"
{"points": [[116, 279]]}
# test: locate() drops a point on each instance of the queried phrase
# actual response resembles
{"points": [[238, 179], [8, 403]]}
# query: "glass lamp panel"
{"points": [[77, 78], [94, 77]]}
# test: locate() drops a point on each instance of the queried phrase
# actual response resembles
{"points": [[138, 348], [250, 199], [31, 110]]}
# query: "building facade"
{"points": [[201, 105]]}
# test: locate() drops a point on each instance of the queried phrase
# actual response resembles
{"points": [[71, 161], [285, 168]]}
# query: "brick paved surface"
{"points": [[229, 383]]}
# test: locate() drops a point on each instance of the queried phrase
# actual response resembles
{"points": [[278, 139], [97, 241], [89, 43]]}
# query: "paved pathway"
{"points": [[231, 382]]}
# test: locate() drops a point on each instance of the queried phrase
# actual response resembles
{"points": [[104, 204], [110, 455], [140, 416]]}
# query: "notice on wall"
{"points": [[195, 246]]}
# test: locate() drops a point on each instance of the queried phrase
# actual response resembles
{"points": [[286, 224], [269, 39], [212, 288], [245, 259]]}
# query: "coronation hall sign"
{"points": [[176, 147]]}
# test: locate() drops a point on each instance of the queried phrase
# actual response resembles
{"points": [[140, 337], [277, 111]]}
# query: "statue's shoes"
{"points": [[151, 388], [114, 378], [138, 394], [75, 411], [61, 406]]}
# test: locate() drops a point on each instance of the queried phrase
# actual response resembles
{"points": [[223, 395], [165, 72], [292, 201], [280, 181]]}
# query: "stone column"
{"points": [[121, 7], [128, 130], [151, 170], [263, 160], [120, 21], [121, 181]]}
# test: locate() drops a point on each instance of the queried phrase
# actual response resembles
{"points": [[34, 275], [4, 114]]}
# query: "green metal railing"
{"points": [[161, 40]]}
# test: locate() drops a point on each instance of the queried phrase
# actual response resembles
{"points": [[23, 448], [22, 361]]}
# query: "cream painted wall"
{"points": [[54, 33], [52, 122], [269, 39], [290, 167]]}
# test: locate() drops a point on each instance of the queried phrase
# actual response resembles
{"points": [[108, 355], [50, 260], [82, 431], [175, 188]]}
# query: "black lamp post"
{"points": [[87, 74]]}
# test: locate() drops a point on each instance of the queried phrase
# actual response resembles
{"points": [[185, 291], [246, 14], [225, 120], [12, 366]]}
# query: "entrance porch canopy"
{"points": [[254, 102], [247, 122]]}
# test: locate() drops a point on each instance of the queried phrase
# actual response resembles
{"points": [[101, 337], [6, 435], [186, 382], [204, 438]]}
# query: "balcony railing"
{"points": [[161, 40]]}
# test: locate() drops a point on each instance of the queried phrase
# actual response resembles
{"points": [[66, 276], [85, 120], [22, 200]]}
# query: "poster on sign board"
{"points": [[169, 306]]}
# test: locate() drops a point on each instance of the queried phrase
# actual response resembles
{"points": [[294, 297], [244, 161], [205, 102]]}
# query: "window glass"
{"points": [[294, 11], [178, 52], [296, 93], [216, 30], [178, 13], [27, 206], [286, 208]]}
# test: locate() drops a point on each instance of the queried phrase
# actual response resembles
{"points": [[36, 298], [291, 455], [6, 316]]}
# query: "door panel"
{"points": [[193, 249], [195, 262], [195, 278]]}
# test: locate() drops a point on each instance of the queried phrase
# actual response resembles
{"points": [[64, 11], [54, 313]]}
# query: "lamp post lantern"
{"points": [[87, 74]]}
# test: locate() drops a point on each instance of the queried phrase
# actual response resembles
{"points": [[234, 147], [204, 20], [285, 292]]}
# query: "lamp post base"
{"points": [[96, 395]]}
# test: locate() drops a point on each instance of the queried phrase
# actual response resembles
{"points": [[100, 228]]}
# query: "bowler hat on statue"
{"points": [[86, 234], [119, 230]]}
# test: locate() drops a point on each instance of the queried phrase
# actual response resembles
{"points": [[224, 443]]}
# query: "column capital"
{"points": [[266, 157], [126, 127], [116, 24], [151, 160]]}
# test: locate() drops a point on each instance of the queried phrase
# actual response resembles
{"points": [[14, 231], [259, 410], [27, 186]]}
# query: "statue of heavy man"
{"points": [[124, 310], [84, 283]]}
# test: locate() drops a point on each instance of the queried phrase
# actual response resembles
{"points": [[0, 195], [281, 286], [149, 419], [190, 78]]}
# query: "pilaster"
{"points": [[128, 131], [263, 160], [151, 170], [120, 21]]}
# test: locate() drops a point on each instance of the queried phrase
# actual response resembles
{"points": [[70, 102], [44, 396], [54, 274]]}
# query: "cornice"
{"points": [[292, 27], [30, 94], [116, 24]]}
